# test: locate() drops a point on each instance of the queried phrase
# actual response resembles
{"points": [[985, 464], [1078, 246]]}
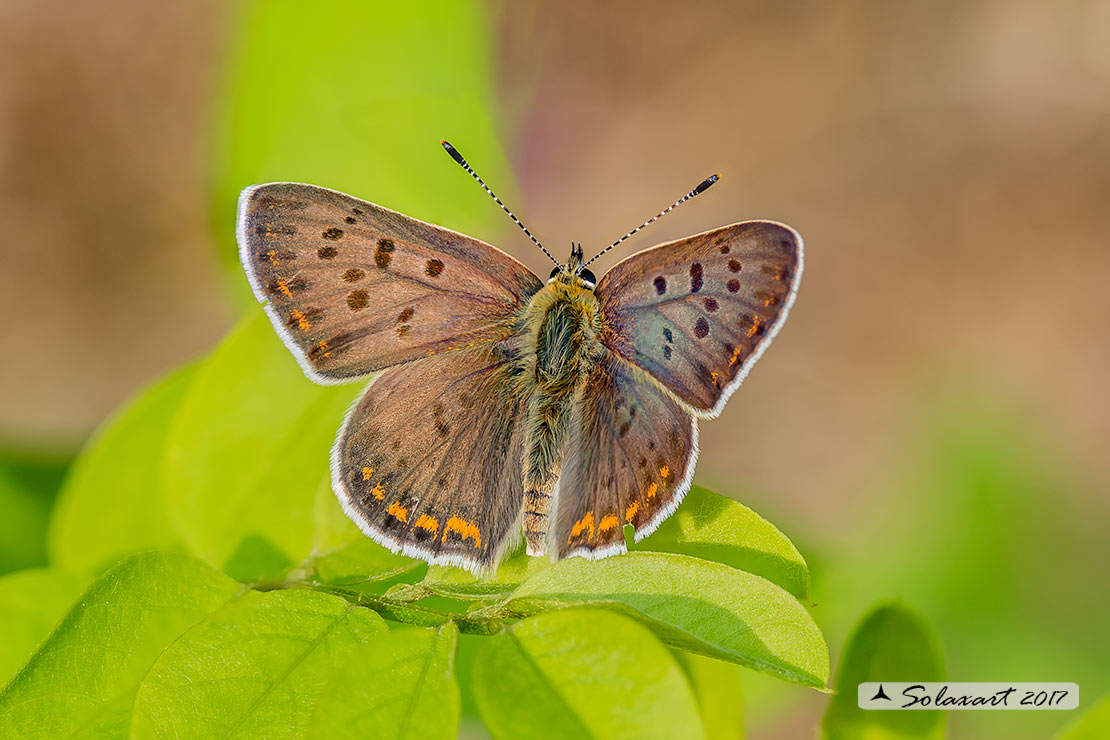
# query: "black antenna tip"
{"points": [[453, 152], [706, 183]]}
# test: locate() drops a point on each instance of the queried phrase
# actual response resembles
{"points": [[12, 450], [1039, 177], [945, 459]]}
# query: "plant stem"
{"points": [[401, 611]]}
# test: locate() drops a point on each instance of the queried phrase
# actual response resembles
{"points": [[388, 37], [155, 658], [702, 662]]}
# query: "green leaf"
{"points": [[257, 560], [82, 680], [31, 603], [891, 643], [252, 669], [333, 528], [111, 504], [716, 528], [342, 554], [719, 693], [1094, 724], [355, 96], [248, 448], [397, 685], [359, 561], [692, 604], [582, 673], [460, 584], [29, 483]]}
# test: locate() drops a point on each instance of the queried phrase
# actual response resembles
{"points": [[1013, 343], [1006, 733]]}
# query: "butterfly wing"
{"points": [[353, 287], [630, 459], [428, 462], [697, 313]]}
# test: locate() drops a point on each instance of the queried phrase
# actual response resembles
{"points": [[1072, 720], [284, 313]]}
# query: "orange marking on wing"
{"points": [[631, 510], [465, 529], [427, 522], [284, 288], [273, 257], [398, 511], [379, 492], [586, 522], [652, 490], [366, 473], [735, 356], [664, 471], [755, 326], [609, 521], [323, 346], [302, 320]]}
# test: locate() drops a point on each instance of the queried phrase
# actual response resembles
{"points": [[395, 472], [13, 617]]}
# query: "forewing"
{"points": [[428, 461], [698, 312], [630, 460], [353, 287]]}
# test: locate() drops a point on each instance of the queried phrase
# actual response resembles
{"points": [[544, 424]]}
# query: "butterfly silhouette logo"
{"points": [[562, 409]]}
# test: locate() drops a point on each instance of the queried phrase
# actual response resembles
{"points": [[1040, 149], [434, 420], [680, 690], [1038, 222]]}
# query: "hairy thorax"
{"points": [[560, 337], [564, 321]]}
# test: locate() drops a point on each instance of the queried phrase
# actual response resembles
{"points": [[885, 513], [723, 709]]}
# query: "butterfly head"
{"points": [[573, 273]]}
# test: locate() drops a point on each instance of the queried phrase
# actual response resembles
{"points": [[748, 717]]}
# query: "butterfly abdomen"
{"points": [[564, 322]]}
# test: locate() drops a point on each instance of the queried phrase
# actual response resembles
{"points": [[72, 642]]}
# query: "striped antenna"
{"points": [[459, 158], [701, 188]]}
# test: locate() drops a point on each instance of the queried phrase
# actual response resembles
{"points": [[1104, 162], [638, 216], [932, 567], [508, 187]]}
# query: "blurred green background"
{"points": [[931, 426]]}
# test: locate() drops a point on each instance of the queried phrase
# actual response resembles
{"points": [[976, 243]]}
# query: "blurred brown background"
{"points": [[947, 163]]}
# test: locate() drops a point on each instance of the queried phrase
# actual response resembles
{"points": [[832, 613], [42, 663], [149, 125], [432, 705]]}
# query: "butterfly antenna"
{"points": [[459, 158], [701, 188]]}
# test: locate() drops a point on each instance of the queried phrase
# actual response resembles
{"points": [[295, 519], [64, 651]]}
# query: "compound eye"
{"points": [[554, 272], [588, 276]]}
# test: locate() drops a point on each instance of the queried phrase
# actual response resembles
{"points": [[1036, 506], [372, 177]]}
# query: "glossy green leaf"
{"points": [[1093, 724], [82, 680], [461, 584], [248, 448], [398, 685], [582, 673], [716, 528], [355, 96], [692, 604], [252, 669], [719, 693], [111, 504], [31, 603], [891, 643]]}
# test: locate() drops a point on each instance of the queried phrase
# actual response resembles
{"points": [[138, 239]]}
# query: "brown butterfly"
{"points": [[565, 409]]}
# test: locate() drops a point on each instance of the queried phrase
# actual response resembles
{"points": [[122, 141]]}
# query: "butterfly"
{"points": [[564, 409]]}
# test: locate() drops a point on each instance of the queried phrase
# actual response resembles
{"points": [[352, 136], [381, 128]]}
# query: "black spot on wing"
{"points": [[383, 255], [695, 277], [357, 299]]}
